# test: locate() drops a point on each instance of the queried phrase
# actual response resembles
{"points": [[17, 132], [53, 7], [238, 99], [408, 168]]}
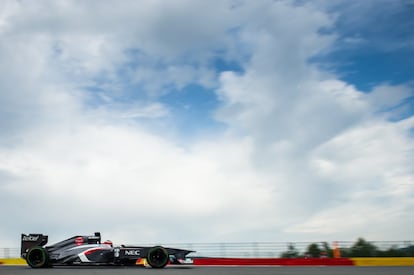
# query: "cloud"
{"points": [[118, 174], [290, 120], [82, 150], [385, 97]]}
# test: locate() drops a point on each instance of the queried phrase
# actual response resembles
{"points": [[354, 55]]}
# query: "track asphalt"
{"points": [[200, 270]]}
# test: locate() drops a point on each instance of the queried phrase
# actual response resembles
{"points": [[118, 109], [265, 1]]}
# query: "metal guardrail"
{"points": [[247, 249], [9, 253], [272, 249]]}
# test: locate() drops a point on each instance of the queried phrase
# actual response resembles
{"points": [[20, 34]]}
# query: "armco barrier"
{"points": [[403, 261], [274, 261]]}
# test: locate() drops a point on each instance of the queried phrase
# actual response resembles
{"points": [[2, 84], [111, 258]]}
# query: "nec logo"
{"points": [[30, 238], [132, 252]]}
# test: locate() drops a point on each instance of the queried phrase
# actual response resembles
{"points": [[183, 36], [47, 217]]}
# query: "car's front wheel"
{"points": [[157, 257]]}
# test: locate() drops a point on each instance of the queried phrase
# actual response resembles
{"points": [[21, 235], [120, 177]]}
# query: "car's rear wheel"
{"points": [[37, 257], [157, 257]]}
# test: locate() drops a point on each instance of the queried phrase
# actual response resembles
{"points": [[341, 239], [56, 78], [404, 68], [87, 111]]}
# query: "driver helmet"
{"points": [[108, 242]]}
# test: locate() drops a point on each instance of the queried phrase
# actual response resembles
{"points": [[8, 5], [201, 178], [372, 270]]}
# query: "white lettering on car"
{"points": [[132, 252], [30, 238]]}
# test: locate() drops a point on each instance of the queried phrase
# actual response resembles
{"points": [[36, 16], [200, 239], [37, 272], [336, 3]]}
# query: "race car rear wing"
{"points": [[31, 240]]}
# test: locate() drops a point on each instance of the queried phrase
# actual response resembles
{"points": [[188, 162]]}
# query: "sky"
{"points": [[207, 121]]}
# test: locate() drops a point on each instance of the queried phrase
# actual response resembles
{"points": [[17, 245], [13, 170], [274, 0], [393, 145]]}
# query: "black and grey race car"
{"points": [[89, 250]]}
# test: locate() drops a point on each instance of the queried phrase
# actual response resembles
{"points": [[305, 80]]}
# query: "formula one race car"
{"points": [[89, 250]]}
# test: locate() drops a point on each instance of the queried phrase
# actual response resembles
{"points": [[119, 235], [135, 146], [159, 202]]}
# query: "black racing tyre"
{"points": [[37, 257], [157, 257]]}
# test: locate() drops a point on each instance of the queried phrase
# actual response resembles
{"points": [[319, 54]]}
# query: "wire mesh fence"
{"points": [[252, 249]]}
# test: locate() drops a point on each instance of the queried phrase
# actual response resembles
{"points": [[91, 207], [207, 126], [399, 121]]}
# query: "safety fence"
{"points": [[253, 249], [9, 253], [278, 249]]}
